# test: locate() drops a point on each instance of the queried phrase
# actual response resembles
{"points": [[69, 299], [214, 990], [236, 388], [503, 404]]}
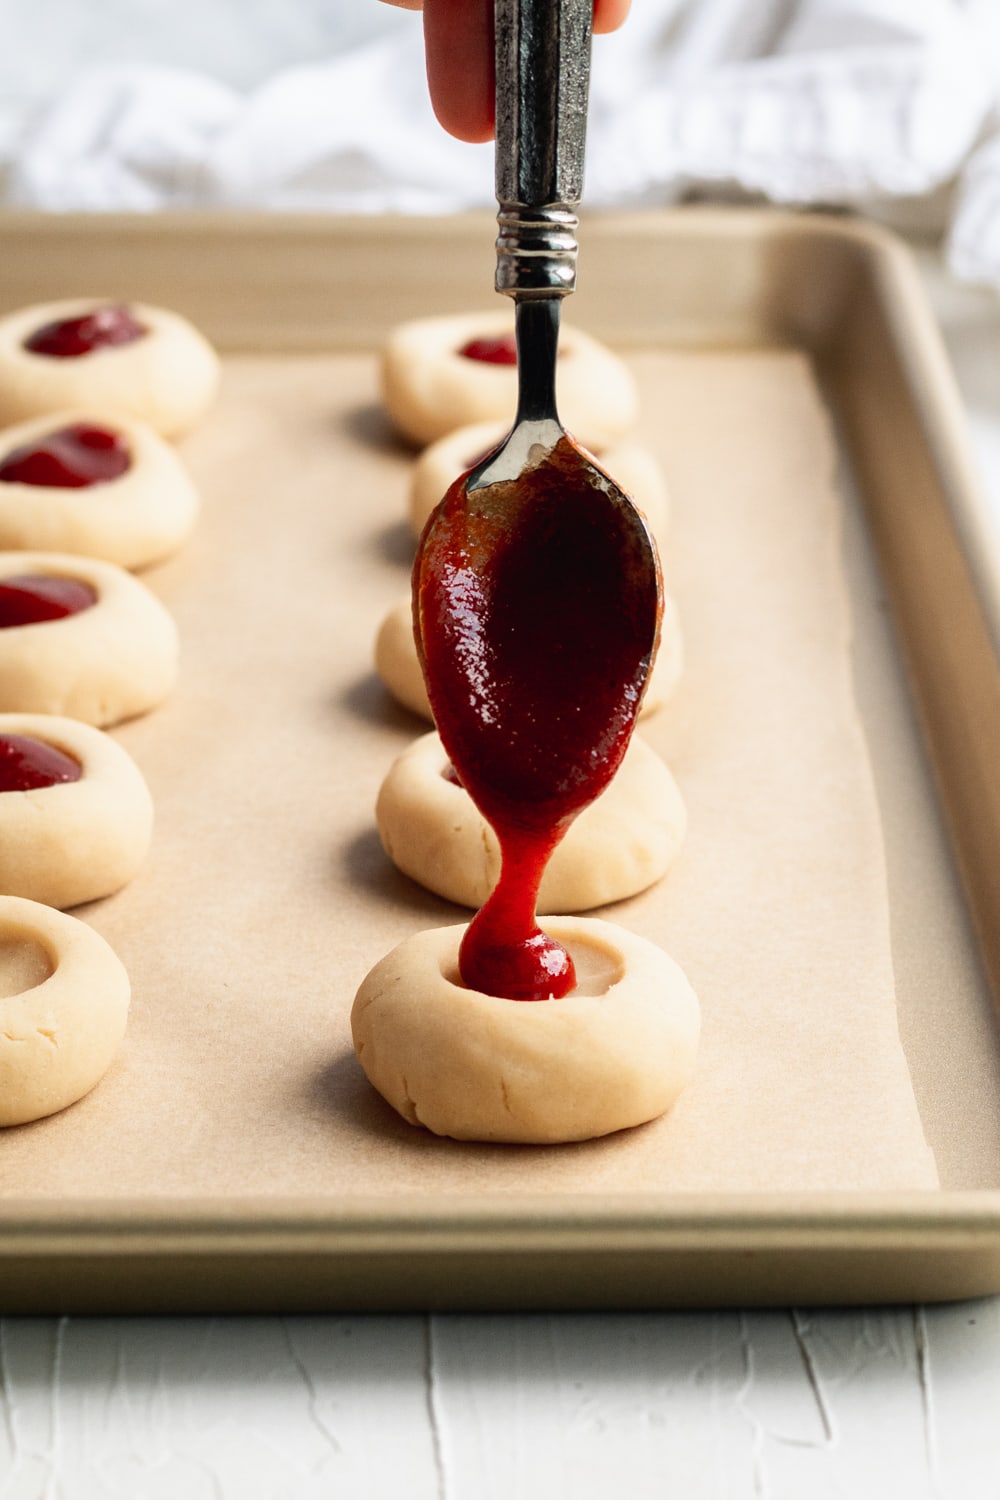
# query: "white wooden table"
{"points": [[717, 1406], [782, 1405]]}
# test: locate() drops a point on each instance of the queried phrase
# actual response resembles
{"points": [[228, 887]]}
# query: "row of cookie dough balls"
{"points": [[618, 1050], [427, 823], [70, 536]]}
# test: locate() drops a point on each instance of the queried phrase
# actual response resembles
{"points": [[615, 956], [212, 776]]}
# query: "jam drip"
{"points": [[105, 327], [26, 764], [497, 349], [536, 628], [73, 458], [31, 598]]}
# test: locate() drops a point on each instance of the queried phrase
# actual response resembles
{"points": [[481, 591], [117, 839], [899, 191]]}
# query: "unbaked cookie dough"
{"points": [[430, 388], [621, 843], [133, 520], [73, 841], [167, 378], [108, 662], [633, 468], [397, 663], [614, 1053], [64, 999], [398, 666]]}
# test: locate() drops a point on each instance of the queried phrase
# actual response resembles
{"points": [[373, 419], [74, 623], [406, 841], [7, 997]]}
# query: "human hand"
{"points": [[458, 39]]}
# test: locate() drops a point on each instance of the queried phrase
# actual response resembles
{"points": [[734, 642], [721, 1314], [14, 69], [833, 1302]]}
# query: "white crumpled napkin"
{"points": [[889, 106]]}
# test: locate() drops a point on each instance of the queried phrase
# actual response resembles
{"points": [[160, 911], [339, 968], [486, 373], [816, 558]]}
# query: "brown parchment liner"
{"points": [[267, 897]]}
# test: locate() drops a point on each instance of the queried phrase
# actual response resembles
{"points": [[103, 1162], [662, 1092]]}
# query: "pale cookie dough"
{"points": [[633, 468], [76, 840], [64, 999], [168, 378], [397, 663], [429, 388], [132, 520], [398, 666], [104, 664], [623, 842], [613, 1054], [669, 663]]}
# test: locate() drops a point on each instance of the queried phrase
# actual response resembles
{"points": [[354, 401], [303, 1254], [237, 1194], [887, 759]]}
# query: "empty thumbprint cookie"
{"points": [[64, 998], [623, 842]]}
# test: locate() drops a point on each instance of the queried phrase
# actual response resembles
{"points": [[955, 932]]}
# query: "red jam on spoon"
{"points": [[27, 763], [105, 327], [71, 458], [495, 349], [30, 598], [536, 625]]}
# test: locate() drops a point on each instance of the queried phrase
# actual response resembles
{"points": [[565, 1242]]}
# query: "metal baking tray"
{"points": [[848, 295]]}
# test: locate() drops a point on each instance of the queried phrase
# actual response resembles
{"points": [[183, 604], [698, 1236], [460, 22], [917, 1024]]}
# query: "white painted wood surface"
{"points": [[793, 1405], [781, 1405]]}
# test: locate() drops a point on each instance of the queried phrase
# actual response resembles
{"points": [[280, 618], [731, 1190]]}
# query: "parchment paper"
{"points": [[267, 897]]}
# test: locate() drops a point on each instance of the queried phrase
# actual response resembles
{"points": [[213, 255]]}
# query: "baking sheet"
{"points": [[267, 897]]}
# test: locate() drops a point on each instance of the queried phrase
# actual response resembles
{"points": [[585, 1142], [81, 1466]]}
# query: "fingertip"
{"points": [[610, 14], [458, 39], [467, 120]]}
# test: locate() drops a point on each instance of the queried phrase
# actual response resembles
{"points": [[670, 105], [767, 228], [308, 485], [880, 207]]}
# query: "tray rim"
{"points": [[961, 1210], [956, 1222], [401, 1255]]}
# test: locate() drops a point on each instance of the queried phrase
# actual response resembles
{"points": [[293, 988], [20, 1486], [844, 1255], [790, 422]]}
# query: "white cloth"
{"points": [[881, 105]]}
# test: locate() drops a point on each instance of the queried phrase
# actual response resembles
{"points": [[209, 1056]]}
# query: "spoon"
{"points": [[537, 593]]}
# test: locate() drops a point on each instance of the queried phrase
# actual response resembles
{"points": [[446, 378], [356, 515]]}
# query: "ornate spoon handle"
{"points": [[542, 79]]}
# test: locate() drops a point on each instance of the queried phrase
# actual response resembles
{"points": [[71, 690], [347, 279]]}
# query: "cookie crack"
{"points": [[409, 1109]]}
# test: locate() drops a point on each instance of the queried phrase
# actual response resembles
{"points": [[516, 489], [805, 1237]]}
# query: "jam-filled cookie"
{"points": [[117, 359], [398, 666], [623, 842], [440, 373], [102, 487], [81, 637], [75, 812], [613, 1053], [64, 998], [633, 468]]}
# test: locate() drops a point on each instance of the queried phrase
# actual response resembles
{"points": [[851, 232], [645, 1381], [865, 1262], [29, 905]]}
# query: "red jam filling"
{"points": [[27, 763], [71, 458], [497, 349], [105, 327], [30, 598], [536, 629]]}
